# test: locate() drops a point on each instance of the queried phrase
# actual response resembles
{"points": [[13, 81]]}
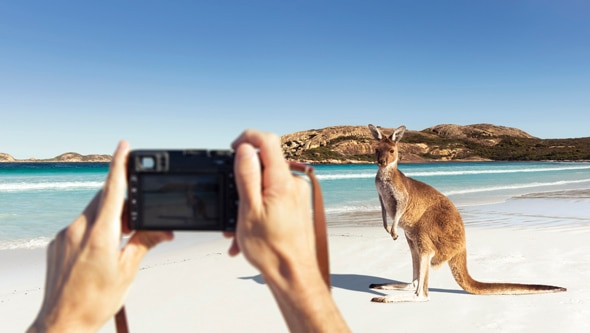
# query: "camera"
{"points": [[181, 190]]}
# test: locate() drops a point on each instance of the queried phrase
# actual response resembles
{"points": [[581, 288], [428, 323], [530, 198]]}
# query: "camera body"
{"points": [[181, 190]]}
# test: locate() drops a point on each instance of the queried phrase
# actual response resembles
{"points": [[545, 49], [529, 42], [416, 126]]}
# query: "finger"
{"points": [[113, 194], [228, 234], [234, 248], [271, 154], [248, 179], [139, 244]]}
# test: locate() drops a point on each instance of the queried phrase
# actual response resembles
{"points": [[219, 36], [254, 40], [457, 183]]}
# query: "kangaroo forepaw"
{"points": [[393, 234], [392, 231]]}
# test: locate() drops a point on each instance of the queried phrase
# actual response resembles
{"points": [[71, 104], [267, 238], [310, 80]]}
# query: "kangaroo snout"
{"points": [[381, 161]]}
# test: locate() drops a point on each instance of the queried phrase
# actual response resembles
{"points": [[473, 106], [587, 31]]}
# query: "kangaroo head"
{"points": [[386, 151]]}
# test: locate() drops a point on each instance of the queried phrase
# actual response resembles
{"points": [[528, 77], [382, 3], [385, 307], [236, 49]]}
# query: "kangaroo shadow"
{"points": [[360, 283]]}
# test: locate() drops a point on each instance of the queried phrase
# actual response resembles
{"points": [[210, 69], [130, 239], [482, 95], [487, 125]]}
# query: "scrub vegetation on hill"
{"points": [[479, 142]]}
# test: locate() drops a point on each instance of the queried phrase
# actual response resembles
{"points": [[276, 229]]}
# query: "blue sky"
{"points": [[81, 75]]}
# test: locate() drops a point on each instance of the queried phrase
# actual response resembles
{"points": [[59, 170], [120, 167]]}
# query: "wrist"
{"points": [[304, 299], [286, 276]]}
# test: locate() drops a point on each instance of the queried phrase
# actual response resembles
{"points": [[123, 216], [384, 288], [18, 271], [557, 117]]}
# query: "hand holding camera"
{"points": [[191, 190]]}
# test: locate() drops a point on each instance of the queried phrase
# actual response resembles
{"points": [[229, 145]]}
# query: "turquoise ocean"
{"points": [[38, 199]]}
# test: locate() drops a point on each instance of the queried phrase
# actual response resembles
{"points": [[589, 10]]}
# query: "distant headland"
{"points": [[446, 142], [63, 158]]}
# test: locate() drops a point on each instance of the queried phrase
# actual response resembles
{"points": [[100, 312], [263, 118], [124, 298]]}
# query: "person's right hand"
{"points": [[275, 232], [274, 220]]}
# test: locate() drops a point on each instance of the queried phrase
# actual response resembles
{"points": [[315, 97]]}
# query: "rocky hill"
{"points": [[67, 157], [75, 157], [6, 158], [447, 142], [479, 142]]}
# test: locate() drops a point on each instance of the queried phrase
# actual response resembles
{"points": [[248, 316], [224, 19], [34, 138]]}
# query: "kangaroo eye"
{"points": [[391, 151]]}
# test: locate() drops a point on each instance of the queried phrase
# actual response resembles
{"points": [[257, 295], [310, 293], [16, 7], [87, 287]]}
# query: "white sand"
{"points": [[188, 287]]}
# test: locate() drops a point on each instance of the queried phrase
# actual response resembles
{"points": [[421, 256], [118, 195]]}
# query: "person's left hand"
{"points": [[88, 272]]}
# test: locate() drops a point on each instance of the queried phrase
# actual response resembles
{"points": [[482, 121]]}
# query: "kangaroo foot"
{"points": [[400, 299]]}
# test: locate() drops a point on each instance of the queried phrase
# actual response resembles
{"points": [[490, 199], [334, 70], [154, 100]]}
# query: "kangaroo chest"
{"points": [[393, 196]]}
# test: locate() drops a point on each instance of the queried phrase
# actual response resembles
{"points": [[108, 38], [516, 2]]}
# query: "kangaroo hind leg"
{"points": [[415, 272], [421, 291]]}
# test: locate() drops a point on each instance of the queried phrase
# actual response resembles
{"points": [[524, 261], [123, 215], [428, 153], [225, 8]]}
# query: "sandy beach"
{"points": [[192, 285]]}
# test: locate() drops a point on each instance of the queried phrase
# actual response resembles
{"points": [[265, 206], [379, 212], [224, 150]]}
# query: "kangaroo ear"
{"points": [[375, 131], [398, 133]]}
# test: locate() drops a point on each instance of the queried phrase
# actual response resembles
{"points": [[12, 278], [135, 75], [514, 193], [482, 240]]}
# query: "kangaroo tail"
{"points": [[458, 266]]}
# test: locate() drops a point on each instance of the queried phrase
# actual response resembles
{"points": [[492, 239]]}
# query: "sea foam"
{"points": [[49, 186]]}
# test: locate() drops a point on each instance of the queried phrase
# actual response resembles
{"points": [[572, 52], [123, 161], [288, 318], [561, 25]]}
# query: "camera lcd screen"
{"points": [[181, 201]]}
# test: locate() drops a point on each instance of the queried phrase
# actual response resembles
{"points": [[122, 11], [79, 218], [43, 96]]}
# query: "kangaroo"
{"points": [[433, 227]]}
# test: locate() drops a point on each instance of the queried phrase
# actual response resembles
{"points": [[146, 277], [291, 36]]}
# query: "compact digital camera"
{"points": [[181, 190]]}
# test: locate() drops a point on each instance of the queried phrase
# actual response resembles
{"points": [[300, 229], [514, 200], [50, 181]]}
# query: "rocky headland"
{"points": [[63, 158], [447, 142]]}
